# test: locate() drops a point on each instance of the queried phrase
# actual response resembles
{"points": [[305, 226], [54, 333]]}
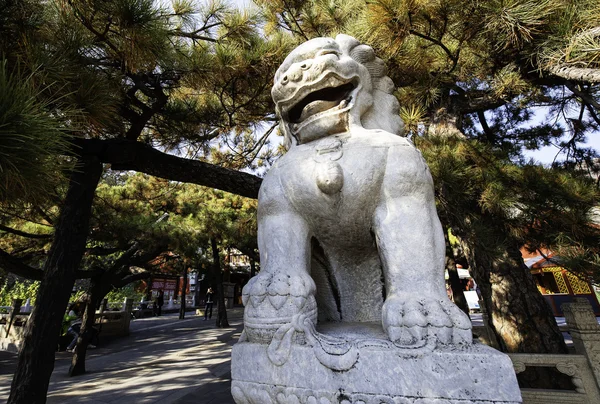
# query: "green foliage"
{"points": [[31, 141], [530, 205], [187, 77], [127, 210], [574, 37], [128, 291], [18, 290], [516, 22]]}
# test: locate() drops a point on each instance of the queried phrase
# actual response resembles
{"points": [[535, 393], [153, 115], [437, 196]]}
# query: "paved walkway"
{"points": [[164, 360]]}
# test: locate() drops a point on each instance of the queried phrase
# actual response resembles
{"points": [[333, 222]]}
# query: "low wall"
{"points": [[583, 367], [11, 335], [115, 323]]}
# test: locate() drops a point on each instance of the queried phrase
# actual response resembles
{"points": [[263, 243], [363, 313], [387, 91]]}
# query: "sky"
{"points": [[547, 154]]}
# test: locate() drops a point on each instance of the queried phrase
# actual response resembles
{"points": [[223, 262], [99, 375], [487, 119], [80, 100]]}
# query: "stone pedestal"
{"points": [[382, 373]]}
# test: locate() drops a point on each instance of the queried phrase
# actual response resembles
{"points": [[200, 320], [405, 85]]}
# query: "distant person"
{"points": [[160, 300], [73, 331], [209, 304], [478, 290], [75, 328], [73, 310]]}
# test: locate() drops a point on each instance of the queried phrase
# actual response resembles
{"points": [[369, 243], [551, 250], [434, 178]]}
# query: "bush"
{"points": [[119, 295]]}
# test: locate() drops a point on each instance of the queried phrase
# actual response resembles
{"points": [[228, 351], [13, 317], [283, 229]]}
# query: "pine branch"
{"points": [[289, 10], [585, 97], [581, 74], [100, 251], [593, 114], [18, 267], [101, 36], [489, 134], [451, 56], [132, 278], [139, 122], [24, 234], [193, 35], [125, 154], [471, 101], [44, 215]]}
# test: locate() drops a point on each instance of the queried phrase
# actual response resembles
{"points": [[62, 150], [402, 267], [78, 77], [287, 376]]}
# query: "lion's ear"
{"points": [[384, 114], [346, 43]]}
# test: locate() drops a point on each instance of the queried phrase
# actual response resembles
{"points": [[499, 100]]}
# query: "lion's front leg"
{"points": [[411, 246], [283, 288]]}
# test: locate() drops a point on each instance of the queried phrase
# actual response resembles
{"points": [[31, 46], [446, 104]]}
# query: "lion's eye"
{"points": [[328, 52]]}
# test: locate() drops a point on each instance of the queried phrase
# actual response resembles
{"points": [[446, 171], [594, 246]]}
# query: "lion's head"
{"points": [[326, 85]]}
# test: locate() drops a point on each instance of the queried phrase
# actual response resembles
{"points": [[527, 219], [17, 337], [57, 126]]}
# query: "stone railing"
{"points": [[115, 323], [109, 323], [583, 367], [12, 327]]}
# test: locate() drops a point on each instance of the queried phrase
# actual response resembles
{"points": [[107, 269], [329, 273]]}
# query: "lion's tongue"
{"points": [[316, 107]]}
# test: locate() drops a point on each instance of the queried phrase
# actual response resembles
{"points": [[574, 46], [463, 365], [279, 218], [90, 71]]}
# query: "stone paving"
{"points": [[164, 360]]}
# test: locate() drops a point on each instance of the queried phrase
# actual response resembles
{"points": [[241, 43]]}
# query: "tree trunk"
{"points": [[252, 267], [222, 321], [182, 305], [36, 358], [89, 319], [454, 280], [518, 314]]}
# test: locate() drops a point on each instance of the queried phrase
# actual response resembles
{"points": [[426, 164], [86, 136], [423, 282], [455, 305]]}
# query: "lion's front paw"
{"points": [[278, 289], [271, 300], [409, 319]]}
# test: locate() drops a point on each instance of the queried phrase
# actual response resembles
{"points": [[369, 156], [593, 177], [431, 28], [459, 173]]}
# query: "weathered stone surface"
{"points": [[452, 374], [350, 240]]}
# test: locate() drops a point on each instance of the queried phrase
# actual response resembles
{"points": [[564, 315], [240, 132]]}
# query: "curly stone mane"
{"points": [[385, 113]]}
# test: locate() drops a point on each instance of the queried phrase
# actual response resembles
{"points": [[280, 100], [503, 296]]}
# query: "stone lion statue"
{"points": [[347, 226]]}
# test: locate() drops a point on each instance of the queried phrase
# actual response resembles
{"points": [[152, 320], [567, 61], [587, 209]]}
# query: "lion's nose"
{"points": [[295, 72]]}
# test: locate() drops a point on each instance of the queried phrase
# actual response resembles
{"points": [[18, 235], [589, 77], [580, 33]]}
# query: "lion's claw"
{"points": [[408, 320], [271, 300], [276, 287]]}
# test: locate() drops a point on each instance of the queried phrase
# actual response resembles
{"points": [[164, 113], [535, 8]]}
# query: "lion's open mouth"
{"points": [[320, 101]]}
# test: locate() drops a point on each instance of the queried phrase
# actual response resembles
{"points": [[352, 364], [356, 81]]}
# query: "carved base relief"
{"points": [[257, 393], [370, 370]]}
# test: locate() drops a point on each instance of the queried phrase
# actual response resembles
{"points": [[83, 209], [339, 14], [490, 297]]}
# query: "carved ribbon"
{"points": [[335, 353]]}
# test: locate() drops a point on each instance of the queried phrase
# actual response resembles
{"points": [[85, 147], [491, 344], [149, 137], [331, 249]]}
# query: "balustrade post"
{"points": [[585, 331], [128, 309]]}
